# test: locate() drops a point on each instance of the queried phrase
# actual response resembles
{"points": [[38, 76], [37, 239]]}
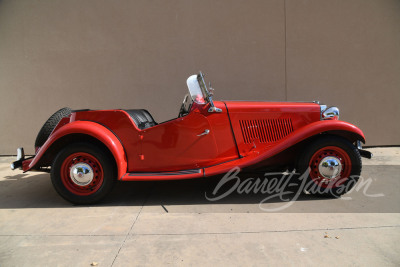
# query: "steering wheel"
{"points": [[184, 110]]}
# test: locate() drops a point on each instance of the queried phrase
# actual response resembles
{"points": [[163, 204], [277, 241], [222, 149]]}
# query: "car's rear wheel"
{"points": [[50, 124], [82, 173], [331, 166]]}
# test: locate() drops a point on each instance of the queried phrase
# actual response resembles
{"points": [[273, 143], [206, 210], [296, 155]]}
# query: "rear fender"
{"points": [[95, 130]]}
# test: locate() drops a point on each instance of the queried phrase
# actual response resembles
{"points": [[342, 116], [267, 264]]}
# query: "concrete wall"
{"points": [[138, 54]]}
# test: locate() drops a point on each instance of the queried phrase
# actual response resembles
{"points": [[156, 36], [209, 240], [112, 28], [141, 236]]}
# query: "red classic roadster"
{"points": [[88, 150]]}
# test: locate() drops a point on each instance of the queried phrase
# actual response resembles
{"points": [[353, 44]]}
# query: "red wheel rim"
{"points": [[71, 184], [341, 156]]}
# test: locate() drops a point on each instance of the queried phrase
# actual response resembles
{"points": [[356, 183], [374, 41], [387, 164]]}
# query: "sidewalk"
{"points": [[171, 223]]}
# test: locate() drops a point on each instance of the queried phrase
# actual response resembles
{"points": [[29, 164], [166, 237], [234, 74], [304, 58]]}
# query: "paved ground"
{"points": [[172, 223]]}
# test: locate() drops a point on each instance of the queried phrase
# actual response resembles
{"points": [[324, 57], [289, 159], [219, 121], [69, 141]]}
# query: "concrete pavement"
{"points": [[172, 223]]}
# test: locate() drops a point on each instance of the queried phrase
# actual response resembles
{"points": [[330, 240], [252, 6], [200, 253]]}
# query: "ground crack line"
{"points": [[126, 236], [272, 231], [133, 224]]}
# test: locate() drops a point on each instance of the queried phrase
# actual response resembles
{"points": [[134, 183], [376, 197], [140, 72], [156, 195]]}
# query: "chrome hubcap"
{"points": [[81, 174], [330, 167]]}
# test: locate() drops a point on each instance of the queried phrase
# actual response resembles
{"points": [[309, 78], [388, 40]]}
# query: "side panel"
{"points": [[93, 129], [175, 145]]}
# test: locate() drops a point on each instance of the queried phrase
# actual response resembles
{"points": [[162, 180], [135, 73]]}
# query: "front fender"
{"points": [[335, 127], [341, 128], [345, 129], [92, 129]]}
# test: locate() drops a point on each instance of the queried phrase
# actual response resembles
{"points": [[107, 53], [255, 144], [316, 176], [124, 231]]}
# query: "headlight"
{"points": [[331, 113]]}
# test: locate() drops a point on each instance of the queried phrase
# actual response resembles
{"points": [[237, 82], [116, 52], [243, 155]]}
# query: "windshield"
{"points": [[197, 89]]}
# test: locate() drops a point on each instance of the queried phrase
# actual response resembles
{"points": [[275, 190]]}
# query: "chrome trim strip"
{"points": [[194, 171]]}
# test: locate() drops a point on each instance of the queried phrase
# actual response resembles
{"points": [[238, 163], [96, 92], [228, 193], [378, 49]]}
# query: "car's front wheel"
{"points": [[82, 173], [330, 166]]}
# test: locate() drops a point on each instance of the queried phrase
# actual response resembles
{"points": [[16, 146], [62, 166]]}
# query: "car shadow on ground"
{"points": [[36, 191]]}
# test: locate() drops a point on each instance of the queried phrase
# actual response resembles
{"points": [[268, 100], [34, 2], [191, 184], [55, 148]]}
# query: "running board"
{"points": [[157, 176]]}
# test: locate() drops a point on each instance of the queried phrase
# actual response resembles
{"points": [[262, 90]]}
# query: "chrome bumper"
{"points": [[20, 158], [363, 153]]}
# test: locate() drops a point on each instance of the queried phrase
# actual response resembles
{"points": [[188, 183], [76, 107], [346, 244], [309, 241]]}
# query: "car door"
{"points": [[180, 144]]}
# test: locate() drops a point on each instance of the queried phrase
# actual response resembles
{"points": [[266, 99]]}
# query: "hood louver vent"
{"points": [[265, 131]]}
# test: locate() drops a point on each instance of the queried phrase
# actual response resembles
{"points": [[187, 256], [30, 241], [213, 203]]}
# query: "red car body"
{"points": [[201, 143], [236, 137]]}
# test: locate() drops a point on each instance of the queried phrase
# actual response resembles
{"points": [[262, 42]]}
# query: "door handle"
{"points": [[206, 131]]}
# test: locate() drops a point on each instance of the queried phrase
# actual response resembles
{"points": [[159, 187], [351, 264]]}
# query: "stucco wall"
{"points": [[137, 54]]}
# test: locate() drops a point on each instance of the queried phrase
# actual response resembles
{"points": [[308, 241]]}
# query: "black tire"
{"points": [[101, 165], [49, 126], [325, 146]]}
